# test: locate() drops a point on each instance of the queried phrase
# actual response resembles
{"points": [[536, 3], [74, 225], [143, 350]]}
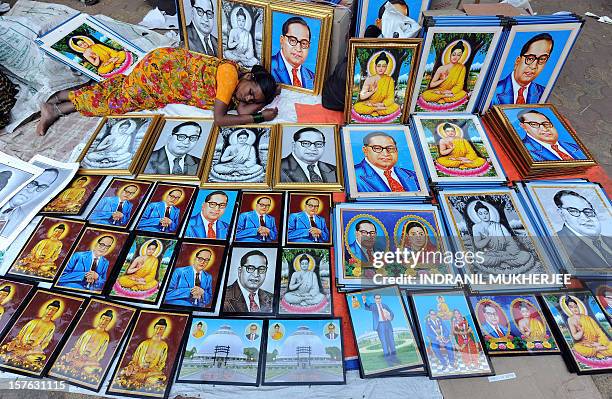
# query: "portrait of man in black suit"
{"points": [[303, 164], [173, 158], [200, 34], [245, 295]]}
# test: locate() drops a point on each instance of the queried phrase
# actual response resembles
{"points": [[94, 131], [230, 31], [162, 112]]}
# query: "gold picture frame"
{"points": [[337, 186], [268, 167], [136, 158], [155, 137], [378, 46]]}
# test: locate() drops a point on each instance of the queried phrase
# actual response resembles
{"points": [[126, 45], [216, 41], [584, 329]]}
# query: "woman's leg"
{"points": [[51, 112]]}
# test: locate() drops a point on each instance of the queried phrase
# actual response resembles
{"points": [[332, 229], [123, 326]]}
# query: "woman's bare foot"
{"points": [[48, 115]]}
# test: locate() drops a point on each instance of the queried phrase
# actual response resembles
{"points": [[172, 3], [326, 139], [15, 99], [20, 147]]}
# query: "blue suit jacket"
{"points": [[248, 223], [357, 251], [197, 229], [488, 330], [281, 75], [181, 283], [369, 181], [73, 275], [431, 333], [540, 153], [505, 95], [374, 309], [152, 215], [299, 224], [104, 209]]}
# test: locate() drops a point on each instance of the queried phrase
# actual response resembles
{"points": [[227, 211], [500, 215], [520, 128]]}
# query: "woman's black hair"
{"points": [[382, 57], [265, 81], [410, 225], [458, 46]]}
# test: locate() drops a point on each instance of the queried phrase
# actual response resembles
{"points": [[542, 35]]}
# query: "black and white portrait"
{"points": [[198, 20], [14, 175], [242, 31], [179, 148]]}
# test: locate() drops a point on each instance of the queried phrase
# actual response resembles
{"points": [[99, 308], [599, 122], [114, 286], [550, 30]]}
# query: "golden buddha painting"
{"points": [[88, 353], [12, 296], [47, 248], [74, 198], [584, 327], [381, 76], [147, 363], [35, 335], [144, 270]]}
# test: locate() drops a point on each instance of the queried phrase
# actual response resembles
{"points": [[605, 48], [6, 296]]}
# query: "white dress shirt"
{"points": [[290, 69], [206, 222], [515, 89], [204, 41], [246, 293], [381, 173], [171, 160], [549, 148]]}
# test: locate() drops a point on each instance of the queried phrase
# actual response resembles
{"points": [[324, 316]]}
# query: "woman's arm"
{"points": [[222, 118]]}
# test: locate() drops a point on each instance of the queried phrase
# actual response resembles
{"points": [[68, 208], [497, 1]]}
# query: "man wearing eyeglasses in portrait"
{"points": [[19, 206], [519, 86], [174, 158], [115, 210], [287, 65], [199, 32], [303, 165], [542, 139], [206, 223], [377, 171], [257, 225], [308, 226], [581, 233], [364, 245], [191, 285], [162, 216], [246, 294]]}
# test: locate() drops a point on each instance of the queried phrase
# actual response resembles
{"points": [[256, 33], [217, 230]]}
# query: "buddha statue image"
{"points": [[105, 59], [115, 149], [240, 41], [590, 340], [458, 153], [70, 199], [304, 290], [140, 278], [238, 161], [5, 297], [41, 260]]}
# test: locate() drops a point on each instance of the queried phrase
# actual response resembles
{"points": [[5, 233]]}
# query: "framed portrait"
{"points": [[253, 271], [299, 37], [227, 352], [389, 20], [364, 232], [454, 65], [199, 27], [582, 326], [13, 295], [196, 276], [21, 208], [381, 162], [243, 31], [457, 149], [578, 219], [15, 175], [381, 75], [240, 156], [513, 324], [260, 217], [495, 224], [177, 149], [92, 260], [602, 290], [308, 219], [33, 339], [74, 199], [87, 45], [120, 203], [543, 138], [212, 215], [87, 354], [546, 44], [144, 270], [310, 158], [453, 346], [117, 145], [46, 249], [166, 209], [305, 282], [388, 343], [158, 335], [304, 352]]}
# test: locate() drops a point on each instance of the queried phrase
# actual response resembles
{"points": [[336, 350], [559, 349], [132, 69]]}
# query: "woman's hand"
{"points": [[269, 113]]}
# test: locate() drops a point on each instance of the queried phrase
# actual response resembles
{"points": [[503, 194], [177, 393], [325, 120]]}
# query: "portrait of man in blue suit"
{"points": [[162, 216], [377, 171], [364, 245], [542, 139], [491, 325], [519, 86], [115, 210], [287, 64], [257, 225], [382, 316], [87, 270], [191, 285], [438, 335], [308, 226], [206, 223]]}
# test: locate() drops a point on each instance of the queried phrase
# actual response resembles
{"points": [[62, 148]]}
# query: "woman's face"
{"points": [[249, 92], [457, 315], [417, 237], [450, 132], [483, 214], [456, 56], [381, 67]]}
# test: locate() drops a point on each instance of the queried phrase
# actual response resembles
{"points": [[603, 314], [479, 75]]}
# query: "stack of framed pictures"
{"points": [[538, 139]]}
